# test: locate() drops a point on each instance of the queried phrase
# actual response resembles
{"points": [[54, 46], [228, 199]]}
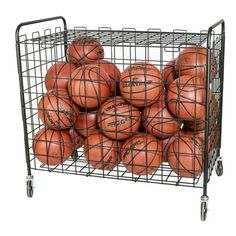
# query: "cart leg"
{"points": [[30, 185], [204, 206]]}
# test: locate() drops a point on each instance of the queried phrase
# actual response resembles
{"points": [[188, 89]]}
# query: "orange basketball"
{"points": [[90, 86], [198, 125], [86, 123], [159, 121], [185, 156], [117, 119], [141, 84], [101, 152], [84, 50], [186, 97], [193, 60], [112, 70], [52, 147], [168, 73], [141, 154], [56, 110], [58, 75]]}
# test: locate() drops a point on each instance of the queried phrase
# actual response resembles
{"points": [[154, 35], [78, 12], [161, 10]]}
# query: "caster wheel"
{"points": [[30, 188], [219, 168], [203, 211]]}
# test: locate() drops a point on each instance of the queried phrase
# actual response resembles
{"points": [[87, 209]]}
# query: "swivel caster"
{"points": [[204, 206], [219, 167], [29, 186]]}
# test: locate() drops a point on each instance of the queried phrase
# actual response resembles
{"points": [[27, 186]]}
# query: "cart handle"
{"points": [[209, 33], [18, 28]]}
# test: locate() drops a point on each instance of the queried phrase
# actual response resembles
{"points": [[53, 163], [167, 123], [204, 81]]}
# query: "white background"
{"points": [[73, 205]]}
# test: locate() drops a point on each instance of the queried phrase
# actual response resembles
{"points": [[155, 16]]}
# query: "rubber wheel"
{"points": [[203, 211], [219, 168], [30, 191]]}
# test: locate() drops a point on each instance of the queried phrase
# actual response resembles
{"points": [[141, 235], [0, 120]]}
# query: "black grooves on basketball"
{"points": [[109, 116], [57, 74], [158, 84], [193, 155], [36, 138], [97, 45], [178, 103], [83, 78], [195, 66], [69, 103], [89, 146], [82, 59], [57, 111], [164, 120], [138, 150], [48, 143]]}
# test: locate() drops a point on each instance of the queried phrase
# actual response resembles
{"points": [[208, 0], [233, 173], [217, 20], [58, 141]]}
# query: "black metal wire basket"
{"points": [[38, 51]]}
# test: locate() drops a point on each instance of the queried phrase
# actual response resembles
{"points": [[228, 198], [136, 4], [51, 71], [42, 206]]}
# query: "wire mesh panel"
{"points": [[122, 104]]}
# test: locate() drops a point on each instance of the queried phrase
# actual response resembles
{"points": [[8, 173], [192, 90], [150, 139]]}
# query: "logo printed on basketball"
{"points": [[141, 154], [118, 125], [56, 124], [135, 83], [140, 67], [141, 88], [132, 147], [66, 113], [51, 121], [114, 106], [120, 122]]}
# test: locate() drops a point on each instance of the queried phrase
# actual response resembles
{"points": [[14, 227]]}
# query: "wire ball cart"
{"points": [[144, 106]]}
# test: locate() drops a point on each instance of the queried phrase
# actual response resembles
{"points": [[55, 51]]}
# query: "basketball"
{"points": [[112, 70], [193, 60], [101, 152], [198, 125], [85, 50], [185, 156], [168, 73], [141, 84], [159, 121], [186, 98], [56, 110], [141, 154], [90, 86], [52, 147], [58, 75], [212, 135], [117, 119], [86, 123], [77, 139]]}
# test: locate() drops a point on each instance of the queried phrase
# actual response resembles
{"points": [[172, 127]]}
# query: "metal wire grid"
{"points": [[40, 52], [164, 174], [107, 36]]}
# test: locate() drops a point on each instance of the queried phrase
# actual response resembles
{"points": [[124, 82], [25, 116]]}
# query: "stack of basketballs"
{"points": [[140, 117]]}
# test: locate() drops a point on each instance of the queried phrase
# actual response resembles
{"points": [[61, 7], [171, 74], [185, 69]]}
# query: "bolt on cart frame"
{"points": [[37, 51]]}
